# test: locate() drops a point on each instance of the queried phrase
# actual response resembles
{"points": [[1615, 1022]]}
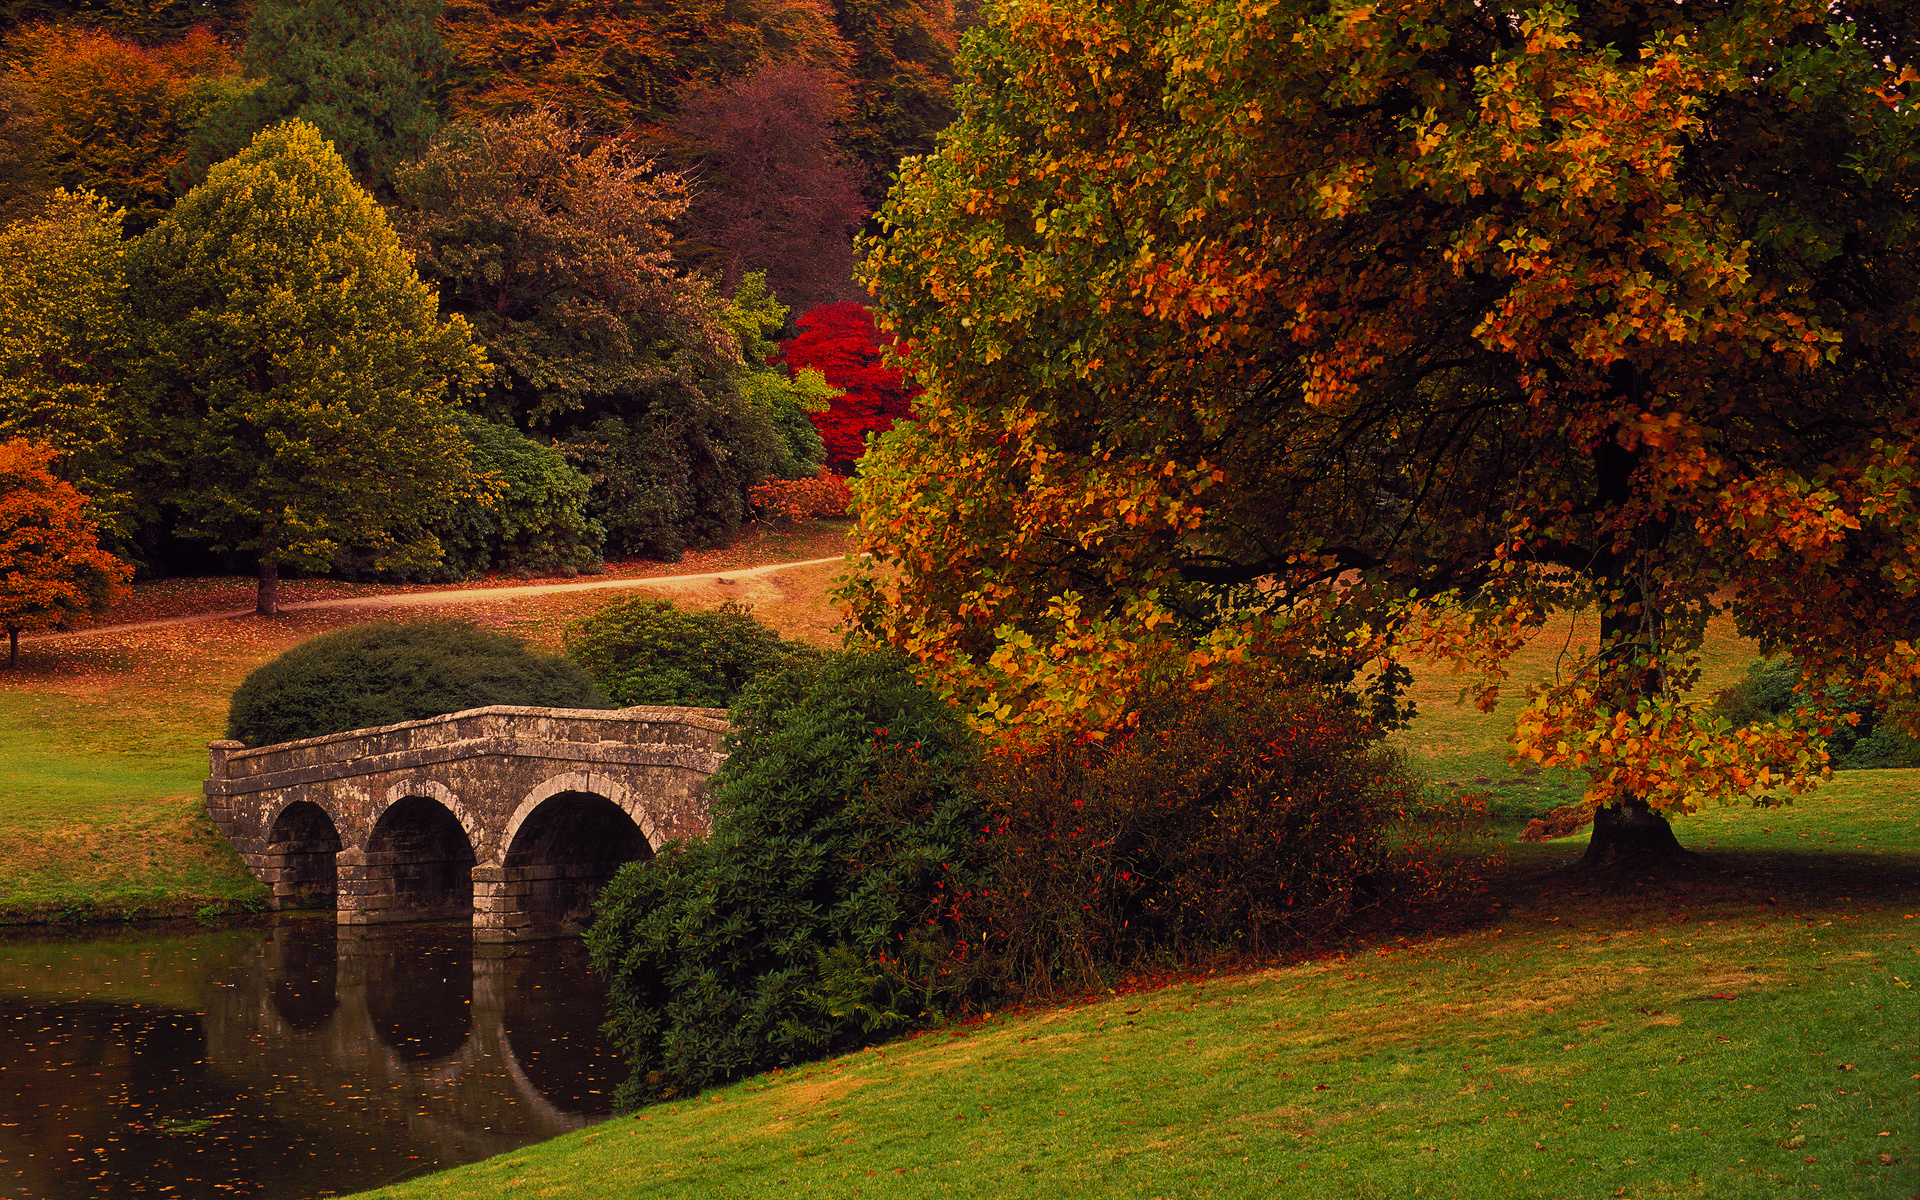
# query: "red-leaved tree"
{"points": [[773, 192], [840, 342], [52, 568]]}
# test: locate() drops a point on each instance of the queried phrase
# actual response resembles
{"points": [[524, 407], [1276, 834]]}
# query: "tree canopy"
{"points": [[63, 337], [51, 566], [362, 72], [115, 117], [297, 368], [1290, 332], [774, 193], [555, 244]]}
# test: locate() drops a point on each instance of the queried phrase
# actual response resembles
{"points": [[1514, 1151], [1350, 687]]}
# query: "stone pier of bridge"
{"points": [[515, 816]]}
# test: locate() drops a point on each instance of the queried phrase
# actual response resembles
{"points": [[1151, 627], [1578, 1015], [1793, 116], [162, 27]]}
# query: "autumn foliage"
{"points": [[840, 341], [114, 117], [51, 566], [1287, 334], [1237, 823], [790, 501]]}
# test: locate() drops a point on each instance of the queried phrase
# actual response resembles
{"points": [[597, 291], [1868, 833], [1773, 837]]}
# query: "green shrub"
{"points": [[1766, 693], [645, 650], [387, 672], [1228, 823], [798, 925], [536, 523]]}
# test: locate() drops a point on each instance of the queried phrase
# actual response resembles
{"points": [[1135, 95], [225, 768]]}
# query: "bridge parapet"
{"points": [[513, 814], [509, 727]]}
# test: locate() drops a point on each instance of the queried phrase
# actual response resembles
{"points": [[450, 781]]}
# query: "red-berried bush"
{"points": [[1237, 823], [840, 341]]}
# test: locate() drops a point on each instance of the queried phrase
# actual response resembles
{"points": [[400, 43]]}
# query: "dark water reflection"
{"points": [[286, 1061]]}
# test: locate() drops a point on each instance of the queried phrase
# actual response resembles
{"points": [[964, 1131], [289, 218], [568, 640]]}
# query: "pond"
{"points": [[292, 1059]]}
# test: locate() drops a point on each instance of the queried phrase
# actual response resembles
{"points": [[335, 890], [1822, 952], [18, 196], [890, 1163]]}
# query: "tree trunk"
{"points": [[13, 648], [267, 604], [1630, 835]]}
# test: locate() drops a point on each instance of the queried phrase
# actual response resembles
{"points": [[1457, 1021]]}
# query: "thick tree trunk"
{"points": [[267, 604], [13, 649], [1630, 835]]}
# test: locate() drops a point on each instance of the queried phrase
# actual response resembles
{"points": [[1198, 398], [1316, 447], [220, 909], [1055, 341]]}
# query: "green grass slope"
{"points": [[1747, 1029]]}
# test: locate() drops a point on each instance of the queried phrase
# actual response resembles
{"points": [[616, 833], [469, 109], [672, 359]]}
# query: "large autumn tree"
{"points": [[52, 568], [1292, 331], [296, 369]]}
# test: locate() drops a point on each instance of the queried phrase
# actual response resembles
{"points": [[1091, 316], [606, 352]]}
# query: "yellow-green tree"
{"points": [[296, 367], [63, 336], [1254, 326]]}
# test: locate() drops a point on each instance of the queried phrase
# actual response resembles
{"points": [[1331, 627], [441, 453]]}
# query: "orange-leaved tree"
{"points": [[1299, 333], [114, 117], [52, 568]]}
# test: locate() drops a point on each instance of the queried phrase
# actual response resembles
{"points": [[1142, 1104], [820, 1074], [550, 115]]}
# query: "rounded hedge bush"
{"points": [[646, 650], [387, 672]]}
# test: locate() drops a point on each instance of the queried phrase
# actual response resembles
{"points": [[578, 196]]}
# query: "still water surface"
{"points": [[286, 1061]]}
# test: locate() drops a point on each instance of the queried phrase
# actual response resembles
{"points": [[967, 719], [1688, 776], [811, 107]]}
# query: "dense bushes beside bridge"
{"points": [[646, 650], [802, 922], [872, 865]]}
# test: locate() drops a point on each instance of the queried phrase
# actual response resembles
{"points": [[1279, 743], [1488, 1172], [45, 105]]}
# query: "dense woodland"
{"points": [[394, 292]]}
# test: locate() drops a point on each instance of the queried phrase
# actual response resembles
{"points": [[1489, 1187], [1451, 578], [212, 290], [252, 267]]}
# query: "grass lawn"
{"points": [[1747, 1029]]}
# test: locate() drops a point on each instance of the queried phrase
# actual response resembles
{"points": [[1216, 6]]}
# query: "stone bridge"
{"points": [[516, 816]]}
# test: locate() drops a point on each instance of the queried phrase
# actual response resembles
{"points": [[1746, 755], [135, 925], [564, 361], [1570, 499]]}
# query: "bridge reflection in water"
{"points": [[329, 1059]]}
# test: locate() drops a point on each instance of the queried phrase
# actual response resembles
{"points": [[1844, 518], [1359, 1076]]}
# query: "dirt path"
{"points": [[450, 596]]}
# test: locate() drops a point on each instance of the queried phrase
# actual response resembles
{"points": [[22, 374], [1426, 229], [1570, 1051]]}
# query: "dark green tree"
{"points": [[800, 924], [361, 71], [533, 520], [295, 366]]}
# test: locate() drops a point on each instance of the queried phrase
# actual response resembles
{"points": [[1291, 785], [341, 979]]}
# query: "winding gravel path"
{"points": [[450, 596]]}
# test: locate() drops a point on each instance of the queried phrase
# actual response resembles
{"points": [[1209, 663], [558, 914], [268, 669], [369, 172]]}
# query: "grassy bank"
{"points": [[105, 734], [1750, 1029]]}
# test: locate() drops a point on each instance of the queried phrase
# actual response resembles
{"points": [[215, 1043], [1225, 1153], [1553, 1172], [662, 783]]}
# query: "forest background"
{"points": [[577, 238]]}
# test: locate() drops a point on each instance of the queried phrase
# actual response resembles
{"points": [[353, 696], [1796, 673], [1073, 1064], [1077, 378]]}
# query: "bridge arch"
{"points": [[564, 843], [596, 784], [302, 842], [417, 865]]}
